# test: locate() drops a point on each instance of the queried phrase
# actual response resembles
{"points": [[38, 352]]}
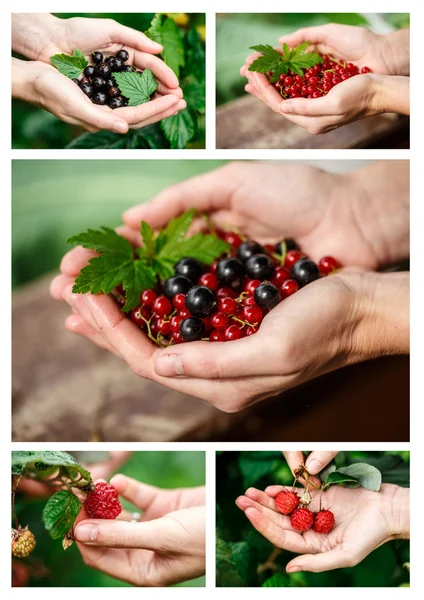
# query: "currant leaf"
{"points": [[155, 30], [269, 60], [102, 274], [102, 240], [205, 248], [148, 236], [139, 277], [173, 47], [71, 66], [137, 88]]}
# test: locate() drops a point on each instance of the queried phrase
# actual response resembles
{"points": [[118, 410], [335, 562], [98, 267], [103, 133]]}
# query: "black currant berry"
{"points": [[124, 100], [192, 329], [89, 71], [176, 285], [200, 301], [140, 72], [248, 249], [97, 57], [113, 91], [115, 64], [98, 82], [259, 267], [290, 245], [127, 69], [304, 271], [99, 98], [75, 80], [87, 89], [122, 54], [103, 70], [116, 103], [266, 296], [110, 82], [84, 80], [230, 272], [189, 267]]}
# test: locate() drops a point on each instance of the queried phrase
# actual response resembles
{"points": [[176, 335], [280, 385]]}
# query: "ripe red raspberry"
{"points": [[103, 502], [302, 519], [324, 521], [286, 502]]}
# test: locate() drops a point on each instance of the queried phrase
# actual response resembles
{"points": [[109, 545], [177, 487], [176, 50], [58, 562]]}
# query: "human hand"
{"points": [[42, 85], [364, 520], [166, 547], [315, 462]]}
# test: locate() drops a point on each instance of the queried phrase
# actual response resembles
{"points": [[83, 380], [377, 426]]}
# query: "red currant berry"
{"points": [[288, 81], [344, 77], [227, 306], [365, 70], [226, 292], [184, 313], [155, 325], [313, 81], [280, 275], [336, 80], [175, 323], [233, 239], [288, 288], [209, 280], [252, 314], [179, 301], [164, 326], [207, 323], [140, 315], [219, 320], [298, 79], [251, 285], [328, 264], [250, 331], [148, 297], [250, 301], [162, 306], [214, 266], [233, 333], [292, 257], [217, 336], [176, 338]]}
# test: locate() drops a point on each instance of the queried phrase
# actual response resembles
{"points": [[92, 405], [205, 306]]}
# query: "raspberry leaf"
{"points": [[71, 66], [60, 513], [40, 462], [137, 88]]}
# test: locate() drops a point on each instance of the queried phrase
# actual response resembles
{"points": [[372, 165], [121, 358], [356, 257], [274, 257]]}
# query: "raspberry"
{"points": [[302, 519], [23, 542], [324, 521], [286, 502], [103, 502]]}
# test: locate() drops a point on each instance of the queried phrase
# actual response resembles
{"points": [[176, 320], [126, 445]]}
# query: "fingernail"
{"points": [[120, 127], [286, 107], [86, 533], [169, 365], [314, 466]]}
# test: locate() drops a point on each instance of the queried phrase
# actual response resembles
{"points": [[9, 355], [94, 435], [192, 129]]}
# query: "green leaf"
{"points": [[40, 461], [179, 129], [300, 49], [103, 274], [307, 60], [269, 60], [71, 66], [173, 47], [138, 278], [100, 140], [148, 236], [255, 465], [60, 513], [137, 88], [194, 95], [295, 60], [277, 580], [336, 478], [195, 53], [155, 30], [227, 574], [368, 476], [103, 240], [286, 51], [205, 248], [163, 267], [176, 231]]}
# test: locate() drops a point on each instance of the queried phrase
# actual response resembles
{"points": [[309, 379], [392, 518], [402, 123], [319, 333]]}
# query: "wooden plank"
{"points": [[250, 124]]}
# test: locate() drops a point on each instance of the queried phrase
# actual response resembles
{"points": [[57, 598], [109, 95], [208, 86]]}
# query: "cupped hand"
{"points": [[52, 91], [166, 547], [364, 520]]}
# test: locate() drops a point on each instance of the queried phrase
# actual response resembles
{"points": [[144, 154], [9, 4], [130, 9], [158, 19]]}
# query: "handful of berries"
{"points": [[98, 82], [229, 299], [316, 81]]}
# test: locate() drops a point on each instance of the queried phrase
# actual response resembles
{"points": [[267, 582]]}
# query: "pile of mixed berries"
{"points": [[301, 518], [318, 80], [229, 299], [98, 82]]}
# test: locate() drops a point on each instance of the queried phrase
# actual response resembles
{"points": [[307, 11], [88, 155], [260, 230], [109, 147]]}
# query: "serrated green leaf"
{"points": [[137, 88], [194, 95], [173, 47], [41, 460], [163, 267], [179, 129], [102, 274], [295, 60], [205, 248], [103, 240], [140, 277], [307, 60], [300, 49], [286, 51], [176, 231], [195, 55], [148, 236], [269, 61], [277, 580], [60, 513], [368, 476], [100, 140], [155, 30], [71, 66]]}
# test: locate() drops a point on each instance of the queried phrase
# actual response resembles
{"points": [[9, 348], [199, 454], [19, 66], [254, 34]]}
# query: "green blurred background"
{"points": [[35, 128], [237, 471], [235, 33], [50, 566]]}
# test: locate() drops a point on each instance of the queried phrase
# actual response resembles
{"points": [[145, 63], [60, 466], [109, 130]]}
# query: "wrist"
{"points": [[391, 94], [33, 33], [396, 502], [381, 315], [395, 52], [24, 76]]}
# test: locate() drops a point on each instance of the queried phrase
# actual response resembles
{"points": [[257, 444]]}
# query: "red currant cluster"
{"points": [[318, 80], [229, 299]]}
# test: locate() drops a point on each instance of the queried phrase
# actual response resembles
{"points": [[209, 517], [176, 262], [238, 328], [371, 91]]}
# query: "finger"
{"points": [[309, 107], [164, 90], [58, 284], [216, 361], [315, 35], [74, 260], [159, 69], [294, 459], [325, 561], [98, 119], [274, 490], [173, 110], [114, 562], [136, 114], [209, 192], [76, 324], [317, 460], [268, 91], [289, 540], [135, 39], [79, 304], [243, 502], [140, 494]]}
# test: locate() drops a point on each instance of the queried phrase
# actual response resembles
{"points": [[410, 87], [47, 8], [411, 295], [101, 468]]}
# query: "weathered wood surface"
{"points": [[66, 389], [249, 123]]}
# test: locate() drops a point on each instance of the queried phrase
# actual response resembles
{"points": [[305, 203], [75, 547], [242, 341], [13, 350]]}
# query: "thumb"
{"points": [[101, 119], [325, 561], [308, 107], [318, 460], [135, 39], [240, 358]]}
